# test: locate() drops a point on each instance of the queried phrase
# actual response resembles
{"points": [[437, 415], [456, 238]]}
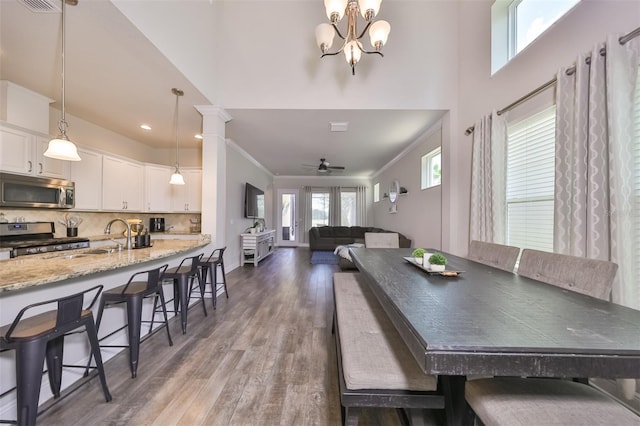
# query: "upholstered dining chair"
{"points": [[587, 276], [496, 255], [381, 240], [526, 401]]}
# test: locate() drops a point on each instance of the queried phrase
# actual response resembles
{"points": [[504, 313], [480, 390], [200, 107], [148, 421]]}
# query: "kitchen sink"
{"points": [[72, 256], [99, 251]]}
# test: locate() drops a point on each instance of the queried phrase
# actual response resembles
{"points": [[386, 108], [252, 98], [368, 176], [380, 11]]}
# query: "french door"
{"points": [[287, 213]]}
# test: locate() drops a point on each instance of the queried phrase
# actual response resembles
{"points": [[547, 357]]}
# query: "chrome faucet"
{"points": [[107, 230]]}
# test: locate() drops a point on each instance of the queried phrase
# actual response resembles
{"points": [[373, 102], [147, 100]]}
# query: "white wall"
{"points": [[479, 92], [262, 54], [242, 57], [418, 216], [279, 65], [86, 134], [172, 25], [240, 170]]}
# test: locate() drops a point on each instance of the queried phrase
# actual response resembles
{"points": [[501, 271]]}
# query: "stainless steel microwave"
{"points": [[36, 192]]}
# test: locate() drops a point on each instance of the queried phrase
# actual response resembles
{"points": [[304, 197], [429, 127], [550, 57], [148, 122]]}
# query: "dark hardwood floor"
{"points": [[266, 356]]}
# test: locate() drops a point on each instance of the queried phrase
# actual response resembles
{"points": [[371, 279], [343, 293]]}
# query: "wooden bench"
{"points": [[375, 366]]}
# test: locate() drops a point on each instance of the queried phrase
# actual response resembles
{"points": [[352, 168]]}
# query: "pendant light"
{"points": [[176, 177], [61, 148]]}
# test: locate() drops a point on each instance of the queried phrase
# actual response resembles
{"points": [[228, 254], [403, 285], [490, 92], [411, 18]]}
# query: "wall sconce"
{"points": [[395, 190]]}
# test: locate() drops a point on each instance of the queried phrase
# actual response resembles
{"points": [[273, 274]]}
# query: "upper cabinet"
{"points": [[122, 185], [157, 189], [188, 197], [22, 152], [87, 175]]}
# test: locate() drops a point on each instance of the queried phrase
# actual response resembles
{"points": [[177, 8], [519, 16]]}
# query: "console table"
{"points": [[255, 247]]}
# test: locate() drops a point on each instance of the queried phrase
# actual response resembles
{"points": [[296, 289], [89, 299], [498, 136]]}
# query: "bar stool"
{"points": [[41, 337], [133, 293], [211, 264], [181, 288]]}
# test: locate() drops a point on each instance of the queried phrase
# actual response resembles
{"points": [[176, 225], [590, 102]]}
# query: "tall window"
{"points": [[431, 169], [530, 181], [348, 208], [376, 192], [320, 209]]}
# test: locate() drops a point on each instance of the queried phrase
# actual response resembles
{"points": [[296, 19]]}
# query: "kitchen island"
{"points": [[30, 279], [36, 270]]}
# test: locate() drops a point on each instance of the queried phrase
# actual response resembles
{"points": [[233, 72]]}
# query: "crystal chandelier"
{"points": [[352, 47]]}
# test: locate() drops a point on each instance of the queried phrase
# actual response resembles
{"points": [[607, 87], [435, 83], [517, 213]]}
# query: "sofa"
{"points": [[330, 237]]}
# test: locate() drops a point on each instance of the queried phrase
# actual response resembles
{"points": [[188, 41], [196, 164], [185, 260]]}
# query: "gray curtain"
{"points": [[622, 72], [488, 180], [581, 225], [335, 208], [361, 206], [596, 215], [306, 213]]}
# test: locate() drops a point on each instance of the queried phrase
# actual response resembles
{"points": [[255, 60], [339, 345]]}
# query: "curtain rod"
{"points": [[622, 40]]}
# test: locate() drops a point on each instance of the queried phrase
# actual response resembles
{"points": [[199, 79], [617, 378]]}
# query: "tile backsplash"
{"points": [[93, 223]]}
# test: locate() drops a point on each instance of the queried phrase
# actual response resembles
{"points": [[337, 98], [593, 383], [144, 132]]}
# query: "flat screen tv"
{"points": [[253, 202]]}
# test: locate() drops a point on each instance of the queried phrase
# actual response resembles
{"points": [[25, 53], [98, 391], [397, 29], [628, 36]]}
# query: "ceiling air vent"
{"points": [[42, 6]]}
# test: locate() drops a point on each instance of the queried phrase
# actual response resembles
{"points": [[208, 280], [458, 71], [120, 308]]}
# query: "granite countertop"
{"points": [[154, 235], [33, 270]]}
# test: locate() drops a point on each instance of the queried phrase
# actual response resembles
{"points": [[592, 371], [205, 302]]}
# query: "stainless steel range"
{"points": [[36, 237]]}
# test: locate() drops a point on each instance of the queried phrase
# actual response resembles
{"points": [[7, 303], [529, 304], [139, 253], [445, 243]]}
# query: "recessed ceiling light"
{"points": [[339, 126], [145, 127], [198, 136]]}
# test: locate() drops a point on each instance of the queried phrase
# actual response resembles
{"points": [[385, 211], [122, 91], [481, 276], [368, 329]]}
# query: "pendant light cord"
{"points": [[177, 116], [178, 93], [62, 125]]}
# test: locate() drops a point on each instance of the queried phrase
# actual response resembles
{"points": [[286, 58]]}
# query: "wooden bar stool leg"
{"points": [[54, 355], [29, 361]]}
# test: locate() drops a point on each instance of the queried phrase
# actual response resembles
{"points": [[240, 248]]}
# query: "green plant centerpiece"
{"points": [[418, 255], [437, 262]]}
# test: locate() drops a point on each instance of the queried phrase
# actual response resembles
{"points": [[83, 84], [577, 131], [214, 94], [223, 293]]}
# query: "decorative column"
{"points": [[214, 172]]}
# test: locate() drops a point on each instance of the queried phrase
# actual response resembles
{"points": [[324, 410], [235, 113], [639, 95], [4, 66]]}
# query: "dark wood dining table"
{"points": [[487, 321]]}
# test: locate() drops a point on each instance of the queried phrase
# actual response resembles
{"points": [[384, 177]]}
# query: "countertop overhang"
{"points": [[35, 270]]}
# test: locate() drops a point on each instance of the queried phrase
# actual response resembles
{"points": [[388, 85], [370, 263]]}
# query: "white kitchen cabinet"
{"points": [[87, 175], [188, 197], [157, 189], [122, 185], [22, 152]]}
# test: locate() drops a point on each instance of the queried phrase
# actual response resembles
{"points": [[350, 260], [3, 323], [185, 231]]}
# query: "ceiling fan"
{"points": [[325, 167]]}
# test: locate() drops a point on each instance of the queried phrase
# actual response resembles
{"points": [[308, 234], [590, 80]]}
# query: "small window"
{"points": [[530, 18], [376, 192], [431, 168], [517, 23]]}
